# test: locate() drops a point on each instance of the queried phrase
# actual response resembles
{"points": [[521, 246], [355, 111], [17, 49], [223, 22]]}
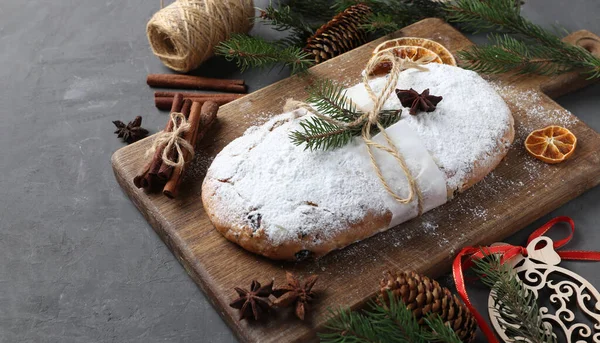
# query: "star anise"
{"points": [[131, 132], [416, 101], [253, 303], [296, 293]]}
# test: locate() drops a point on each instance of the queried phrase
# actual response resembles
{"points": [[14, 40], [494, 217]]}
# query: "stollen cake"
{"points": [[283, 201]]}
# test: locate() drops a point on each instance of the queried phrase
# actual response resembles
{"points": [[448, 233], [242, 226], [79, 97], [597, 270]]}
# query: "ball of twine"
{"points": [[184, 34]]}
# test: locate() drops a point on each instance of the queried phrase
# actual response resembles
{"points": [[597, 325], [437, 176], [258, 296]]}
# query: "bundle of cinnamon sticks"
{"points": [[164, 100], [157, 174]]}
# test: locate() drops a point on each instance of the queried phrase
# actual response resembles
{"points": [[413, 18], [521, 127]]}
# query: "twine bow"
{"points": [[173, 140], [371, 118], [506, 252]]}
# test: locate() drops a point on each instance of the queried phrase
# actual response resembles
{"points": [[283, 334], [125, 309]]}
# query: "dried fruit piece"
{"points": [[444, 54], [413, 53], [552, 144]]}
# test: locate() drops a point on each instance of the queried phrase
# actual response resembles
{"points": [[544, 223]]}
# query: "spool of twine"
{"points": [[185, 33]]}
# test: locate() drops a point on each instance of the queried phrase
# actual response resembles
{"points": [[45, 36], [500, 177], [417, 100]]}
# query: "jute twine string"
{"points": [[185, 33], [174, 140], [372, 119]]}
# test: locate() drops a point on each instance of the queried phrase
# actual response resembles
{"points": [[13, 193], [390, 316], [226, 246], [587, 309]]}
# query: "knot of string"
{"points": [[173, 140], [370, 119]]}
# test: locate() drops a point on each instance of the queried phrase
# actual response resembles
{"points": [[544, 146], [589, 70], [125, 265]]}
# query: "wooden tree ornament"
{"points": [[540, 272]]}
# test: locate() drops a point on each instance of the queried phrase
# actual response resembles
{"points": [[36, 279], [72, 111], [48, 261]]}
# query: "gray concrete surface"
{"points": [[78, 263]]}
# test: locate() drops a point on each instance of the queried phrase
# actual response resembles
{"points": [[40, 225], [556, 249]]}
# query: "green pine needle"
{"points": [[381, 23], [253, 52], [319, 134], [439, 331], [533, 50], [283, 18], [517, 306], [330, 100], [399, 12], [318, 10], [385, 324], [511, 55]]}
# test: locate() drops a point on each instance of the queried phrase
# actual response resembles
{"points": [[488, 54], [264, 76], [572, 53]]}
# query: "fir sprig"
{"points": [[537, 50], [301, 19], [283, 18], [319, 134], [318, 10], [389, 16], [515, 305], [509, 54], [248, 51], [381, 23], [393, 323], [330, 100]]}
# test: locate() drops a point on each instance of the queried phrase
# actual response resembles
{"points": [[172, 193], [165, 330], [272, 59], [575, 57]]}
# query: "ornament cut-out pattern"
{"points": [[540, 272]]}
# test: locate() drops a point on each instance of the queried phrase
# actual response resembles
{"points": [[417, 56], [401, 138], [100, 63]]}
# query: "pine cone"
{"points": [[342, 33], [423, 296]]}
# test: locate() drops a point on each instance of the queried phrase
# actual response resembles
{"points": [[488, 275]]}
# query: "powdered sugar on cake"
{"points": [[465, 127], [262, 181]]}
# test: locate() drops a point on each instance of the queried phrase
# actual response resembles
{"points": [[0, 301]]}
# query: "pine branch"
{"points": [[399, 12], [319, 134], [439, 331], [381, 23], [318, 9], [393, 323], [516, 305], [248, 51], [283, 18], [330, 100], [509, 54], [550, 54]]}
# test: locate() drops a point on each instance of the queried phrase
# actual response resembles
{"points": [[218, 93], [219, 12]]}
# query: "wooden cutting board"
{"points": [[518, 192]]}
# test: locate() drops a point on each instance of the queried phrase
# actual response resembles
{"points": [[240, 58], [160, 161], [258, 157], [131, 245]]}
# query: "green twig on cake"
{"points": [[393, 323], [248, 51], [534, 50], [330, 99], [515, 305]]}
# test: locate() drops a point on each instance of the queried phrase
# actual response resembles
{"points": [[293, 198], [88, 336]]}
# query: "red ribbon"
{"points": [[507, 252]]}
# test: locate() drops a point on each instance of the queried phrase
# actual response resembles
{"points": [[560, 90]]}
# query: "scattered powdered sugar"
{"points": [[257, 119], [263, 181], [532, 110], [198, 166]]}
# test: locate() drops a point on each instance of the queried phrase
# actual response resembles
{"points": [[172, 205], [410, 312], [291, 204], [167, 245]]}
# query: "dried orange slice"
{"points": [[413, 53], [444, 54], [552, 144]]}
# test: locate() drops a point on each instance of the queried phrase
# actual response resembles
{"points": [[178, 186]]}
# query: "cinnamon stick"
{"points": [[154, 176], [201, 118], [168, 94], [195, 82], [141, 180], [164, 103]]}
